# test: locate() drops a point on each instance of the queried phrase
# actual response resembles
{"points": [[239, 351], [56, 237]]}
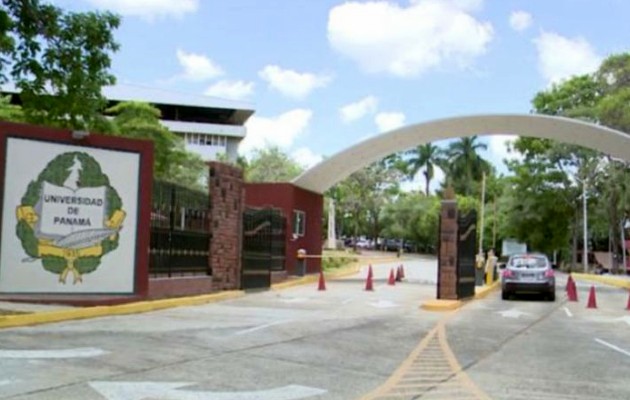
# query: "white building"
{"points": [[209, 125]]}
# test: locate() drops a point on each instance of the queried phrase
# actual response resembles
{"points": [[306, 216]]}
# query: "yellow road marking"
{"points": [[430, 370]]}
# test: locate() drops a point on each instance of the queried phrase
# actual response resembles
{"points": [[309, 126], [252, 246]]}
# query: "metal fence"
{"points": [[180, 231], [264, 241]]}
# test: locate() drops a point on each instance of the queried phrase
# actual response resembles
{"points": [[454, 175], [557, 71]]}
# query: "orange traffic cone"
{"points": [[392, 280], [322, 282], [592, 301], [369, 285], [628, 306], [569, 282], [370, 274], [402, 271], [398, 275], [572, 291]]}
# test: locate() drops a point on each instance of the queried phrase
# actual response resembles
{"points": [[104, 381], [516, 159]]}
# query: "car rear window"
{"points": [[528, 262]]}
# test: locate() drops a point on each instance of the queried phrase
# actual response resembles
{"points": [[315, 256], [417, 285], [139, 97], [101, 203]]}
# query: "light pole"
{"points": [[585, 213], [483, 206]]}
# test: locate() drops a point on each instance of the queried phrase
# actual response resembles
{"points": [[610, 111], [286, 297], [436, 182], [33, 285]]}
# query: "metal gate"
{"points": [[466, 248], [264, 241], [180, 231]]}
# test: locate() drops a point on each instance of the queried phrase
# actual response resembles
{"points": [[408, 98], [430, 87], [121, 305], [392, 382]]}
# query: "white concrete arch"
{"points": [[336, 168]]}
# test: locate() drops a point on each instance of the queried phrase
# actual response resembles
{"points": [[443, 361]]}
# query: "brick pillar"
{"points": [[447, 257], [226, 215]]}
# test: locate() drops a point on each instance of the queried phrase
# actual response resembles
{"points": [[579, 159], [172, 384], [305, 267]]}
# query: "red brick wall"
{"points": [[175, 287], [288, 197], [226, 215]]}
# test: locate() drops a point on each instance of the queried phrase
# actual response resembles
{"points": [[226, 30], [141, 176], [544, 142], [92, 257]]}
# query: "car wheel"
{"points": [[552, 296], [505, 295]]}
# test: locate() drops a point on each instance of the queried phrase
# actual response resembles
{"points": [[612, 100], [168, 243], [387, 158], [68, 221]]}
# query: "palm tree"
{"points": [[465, 165], [424, 157]]}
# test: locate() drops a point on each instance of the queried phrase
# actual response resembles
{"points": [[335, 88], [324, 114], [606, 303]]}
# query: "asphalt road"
{"points": [[532, 349], [343, 343]]}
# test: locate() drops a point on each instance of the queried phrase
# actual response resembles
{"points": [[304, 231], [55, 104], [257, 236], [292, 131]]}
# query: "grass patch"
{"points": [[12, 312], [335, 259]]}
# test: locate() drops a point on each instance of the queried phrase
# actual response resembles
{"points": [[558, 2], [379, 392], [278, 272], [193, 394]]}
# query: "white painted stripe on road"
{"points": [[175, 391], [259, 327], [5, 382], [568, 312], [83, 352], [612, 346], [346, 301]]}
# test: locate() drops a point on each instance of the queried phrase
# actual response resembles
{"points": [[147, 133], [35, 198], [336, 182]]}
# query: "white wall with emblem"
{"points": [[19, 273]]}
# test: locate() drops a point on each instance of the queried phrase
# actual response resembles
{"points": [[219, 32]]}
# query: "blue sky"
{"points": [[323, 74]]}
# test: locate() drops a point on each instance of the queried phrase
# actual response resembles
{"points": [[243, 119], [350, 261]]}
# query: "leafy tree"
{"points": [[172, 162], [10, 112], [271, 165], [464, 165], [426, 158], [58, 60]]}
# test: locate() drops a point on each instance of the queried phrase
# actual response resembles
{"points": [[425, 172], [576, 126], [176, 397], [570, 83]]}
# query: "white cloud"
{"points": [[520, 20], [357, 110], [306, 157], [148, 9], [234, 90], [387, 121], [197, 67], [382, 36], [498, 148], [560, 57], [281, 130], [291, 83]]}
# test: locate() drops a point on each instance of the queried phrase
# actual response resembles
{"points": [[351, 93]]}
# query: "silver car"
{"points": [[528, 273]]}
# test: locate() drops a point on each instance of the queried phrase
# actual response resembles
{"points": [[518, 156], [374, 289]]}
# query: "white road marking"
{"points": [[5, 382], [625, 319], [383, 304], [612, 346], [346, 301], [568, 312], [512, 313], [295, 300], [259, 327], [82, 352], [172, 391]]}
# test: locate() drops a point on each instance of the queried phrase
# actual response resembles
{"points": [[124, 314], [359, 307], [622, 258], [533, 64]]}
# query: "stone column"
{"points": [[332, 237], [447, 257], [226, 224]]}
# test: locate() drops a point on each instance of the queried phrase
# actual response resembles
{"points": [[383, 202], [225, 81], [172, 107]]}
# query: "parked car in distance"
{"points": [[528, 273]]}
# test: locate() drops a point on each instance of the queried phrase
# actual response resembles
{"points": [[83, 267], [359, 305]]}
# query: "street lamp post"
{"points": [[585, 213]]}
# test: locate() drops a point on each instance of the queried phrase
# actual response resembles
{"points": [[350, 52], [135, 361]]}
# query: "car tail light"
{"points": [[549, 273], [508, 273]]}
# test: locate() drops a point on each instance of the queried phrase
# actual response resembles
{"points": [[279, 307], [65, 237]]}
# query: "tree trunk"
{"points": [[427, 182]]}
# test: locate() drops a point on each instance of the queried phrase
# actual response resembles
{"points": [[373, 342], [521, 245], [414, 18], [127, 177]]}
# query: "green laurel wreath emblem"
{"points": [[63, 257]]}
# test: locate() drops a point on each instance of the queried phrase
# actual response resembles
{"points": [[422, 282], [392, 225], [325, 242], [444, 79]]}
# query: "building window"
{"points": [[299, 223]]}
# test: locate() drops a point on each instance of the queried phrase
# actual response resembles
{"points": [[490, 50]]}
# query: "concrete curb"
{"points": [[608, 280], [441, 305], [486, 290], [46, 317], [450, 305]]}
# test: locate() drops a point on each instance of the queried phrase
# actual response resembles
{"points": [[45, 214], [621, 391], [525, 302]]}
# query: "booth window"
{"points": [[299, 222]]}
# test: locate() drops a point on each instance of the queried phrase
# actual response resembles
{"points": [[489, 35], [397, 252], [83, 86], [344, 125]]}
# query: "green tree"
{"points": [[137, 120], [426, 158], [271, 165], [10, 112], [464, 166], [58, 60]]}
